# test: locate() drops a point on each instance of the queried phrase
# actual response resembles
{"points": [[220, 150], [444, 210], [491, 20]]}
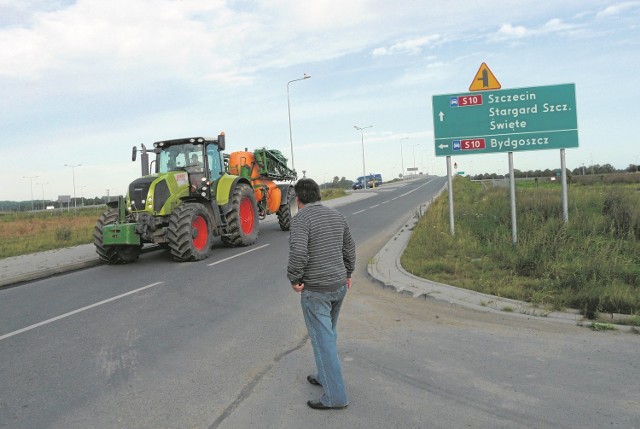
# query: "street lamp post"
{"points": [[42, 187], [364, 170], [31, 185], [401, 156], [306, 76], [73, 174], [81, 195], [414, 157]]}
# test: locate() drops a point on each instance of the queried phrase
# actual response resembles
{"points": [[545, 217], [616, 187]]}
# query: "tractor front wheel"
{"points": [[190, 232], [112, 254], [242, 220], [287, 210]]}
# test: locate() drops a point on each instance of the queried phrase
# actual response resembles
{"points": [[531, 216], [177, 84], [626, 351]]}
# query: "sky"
{"points": [[82, 82]]}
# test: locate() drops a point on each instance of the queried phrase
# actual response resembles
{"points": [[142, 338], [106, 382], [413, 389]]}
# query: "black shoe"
{"points": [[311, 379], [317, 405]]}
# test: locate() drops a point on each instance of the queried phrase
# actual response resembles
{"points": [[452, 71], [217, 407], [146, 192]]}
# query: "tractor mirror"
{"points": [[221, 143], [134, 152]]}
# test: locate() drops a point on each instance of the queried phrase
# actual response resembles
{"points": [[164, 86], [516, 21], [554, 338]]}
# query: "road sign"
{"points": [[484, 80], [508, 120]]}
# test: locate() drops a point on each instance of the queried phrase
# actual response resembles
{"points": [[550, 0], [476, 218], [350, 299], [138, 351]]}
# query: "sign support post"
{"points": [[512, 192], [450, 186], [565, 199]]}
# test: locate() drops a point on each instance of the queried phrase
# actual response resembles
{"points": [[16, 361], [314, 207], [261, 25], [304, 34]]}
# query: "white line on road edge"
{"points": [[71, 313], [392, 199], [235, 256]]}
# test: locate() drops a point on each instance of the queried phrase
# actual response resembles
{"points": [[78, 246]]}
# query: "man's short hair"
{"points": [[307, 191]]}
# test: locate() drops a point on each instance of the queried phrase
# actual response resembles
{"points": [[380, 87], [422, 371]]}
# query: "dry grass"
{"points": [[29, 233]]}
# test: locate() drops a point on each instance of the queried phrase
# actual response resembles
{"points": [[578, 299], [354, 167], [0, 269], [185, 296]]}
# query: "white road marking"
{"points": [[392, 199], [71, 313], [106, 301], [235, 256]]}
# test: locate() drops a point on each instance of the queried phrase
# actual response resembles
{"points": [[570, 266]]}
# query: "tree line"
{"points": [[13, 206], [595, 169]]}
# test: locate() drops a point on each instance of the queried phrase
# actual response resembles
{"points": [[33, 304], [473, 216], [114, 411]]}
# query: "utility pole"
{"points": [[364, 170], [306, 76], [73, 173], [402, 156], [31, 185]]}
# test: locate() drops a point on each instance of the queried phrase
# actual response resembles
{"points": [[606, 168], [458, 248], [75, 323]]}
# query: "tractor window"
{"points": [[194, 164], [181, 157], [170, 159], [215, 167]]}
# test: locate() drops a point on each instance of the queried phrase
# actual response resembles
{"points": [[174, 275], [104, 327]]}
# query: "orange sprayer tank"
{"points": [[243, 164], [274, 195]]}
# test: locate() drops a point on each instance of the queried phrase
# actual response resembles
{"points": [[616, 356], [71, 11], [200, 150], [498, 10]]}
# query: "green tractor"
{"points": [[187, 201]]}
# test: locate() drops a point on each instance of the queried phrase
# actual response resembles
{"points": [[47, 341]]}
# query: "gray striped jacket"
{"points": [[322, 253]]}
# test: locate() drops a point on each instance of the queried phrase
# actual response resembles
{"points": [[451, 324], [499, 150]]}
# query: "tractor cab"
{"points": [[200, 158]]}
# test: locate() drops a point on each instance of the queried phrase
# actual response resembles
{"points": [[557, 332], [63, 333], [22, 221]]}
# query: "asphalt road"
{"points": [[221, 343]]}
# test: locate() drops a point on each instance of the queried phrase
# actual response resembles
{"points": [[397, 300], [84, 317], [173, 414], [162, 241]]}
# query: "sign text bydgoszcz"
{"points": [[507, 120]]}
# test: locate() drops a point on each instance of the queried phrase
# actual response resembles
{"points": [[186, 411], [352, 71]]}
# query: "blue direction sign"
{"points": [[507, 120]]}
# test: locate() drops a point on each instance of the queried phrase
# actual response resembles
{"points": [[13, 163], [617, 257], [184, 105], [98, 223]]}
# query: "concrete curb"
{"points": [[47, 272]]}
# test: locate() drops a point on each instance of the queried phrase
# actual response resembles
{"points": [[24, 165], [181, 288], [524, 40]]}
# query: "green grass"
{"points": [[592, 263]]}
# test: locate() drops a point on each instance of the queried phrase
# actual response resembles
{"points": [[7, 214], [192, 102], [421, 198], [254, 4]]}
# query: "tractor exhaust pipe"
{"points": [[144, 158]]}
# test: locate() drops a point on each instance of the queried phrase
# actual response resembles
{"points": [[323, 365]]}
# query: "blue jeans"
{"points": [[321, 311]]}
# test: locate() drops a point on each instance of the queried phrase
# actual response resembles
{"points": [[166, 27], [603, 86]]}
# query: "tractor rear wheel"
{"points": [[190, 232], [112, 254], [242, 220], [288, 210]]}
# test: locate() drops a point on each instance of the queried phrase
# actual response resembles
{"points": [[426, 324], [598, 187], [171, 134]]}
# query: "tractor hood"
{"points": [[158, 193]]}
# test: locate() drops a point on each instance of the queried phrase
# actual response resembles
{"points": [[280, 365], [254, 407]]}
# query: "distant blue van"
{"points": [[373, 180]]}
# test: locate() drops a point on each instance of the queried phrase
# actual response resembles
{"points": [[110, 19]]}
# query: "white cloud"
{"points": [[407, 47], [190, 39], [553, 26], [108, 37], [618, 8], [509, 31]]}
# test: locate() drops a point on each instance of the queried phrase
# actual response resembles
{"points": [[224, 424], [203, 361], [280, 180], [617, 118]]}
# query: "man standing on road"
{"points": [[322, 256]]}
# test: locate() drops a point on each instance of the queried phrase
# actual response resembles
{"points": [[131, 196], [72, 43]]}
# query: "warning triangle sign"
{"points": [[484, 80]]}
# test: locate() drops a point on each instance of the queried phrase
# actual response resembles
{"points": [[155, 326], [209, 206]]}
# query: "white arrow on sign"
{"points": [[441, 116], [442, 146]]}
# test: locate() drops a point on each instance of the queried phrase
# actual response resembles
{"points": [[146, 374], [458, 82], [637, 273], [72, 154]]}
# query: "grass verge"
{"points": [[331, 193], [24, 233], [592, 263]]}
